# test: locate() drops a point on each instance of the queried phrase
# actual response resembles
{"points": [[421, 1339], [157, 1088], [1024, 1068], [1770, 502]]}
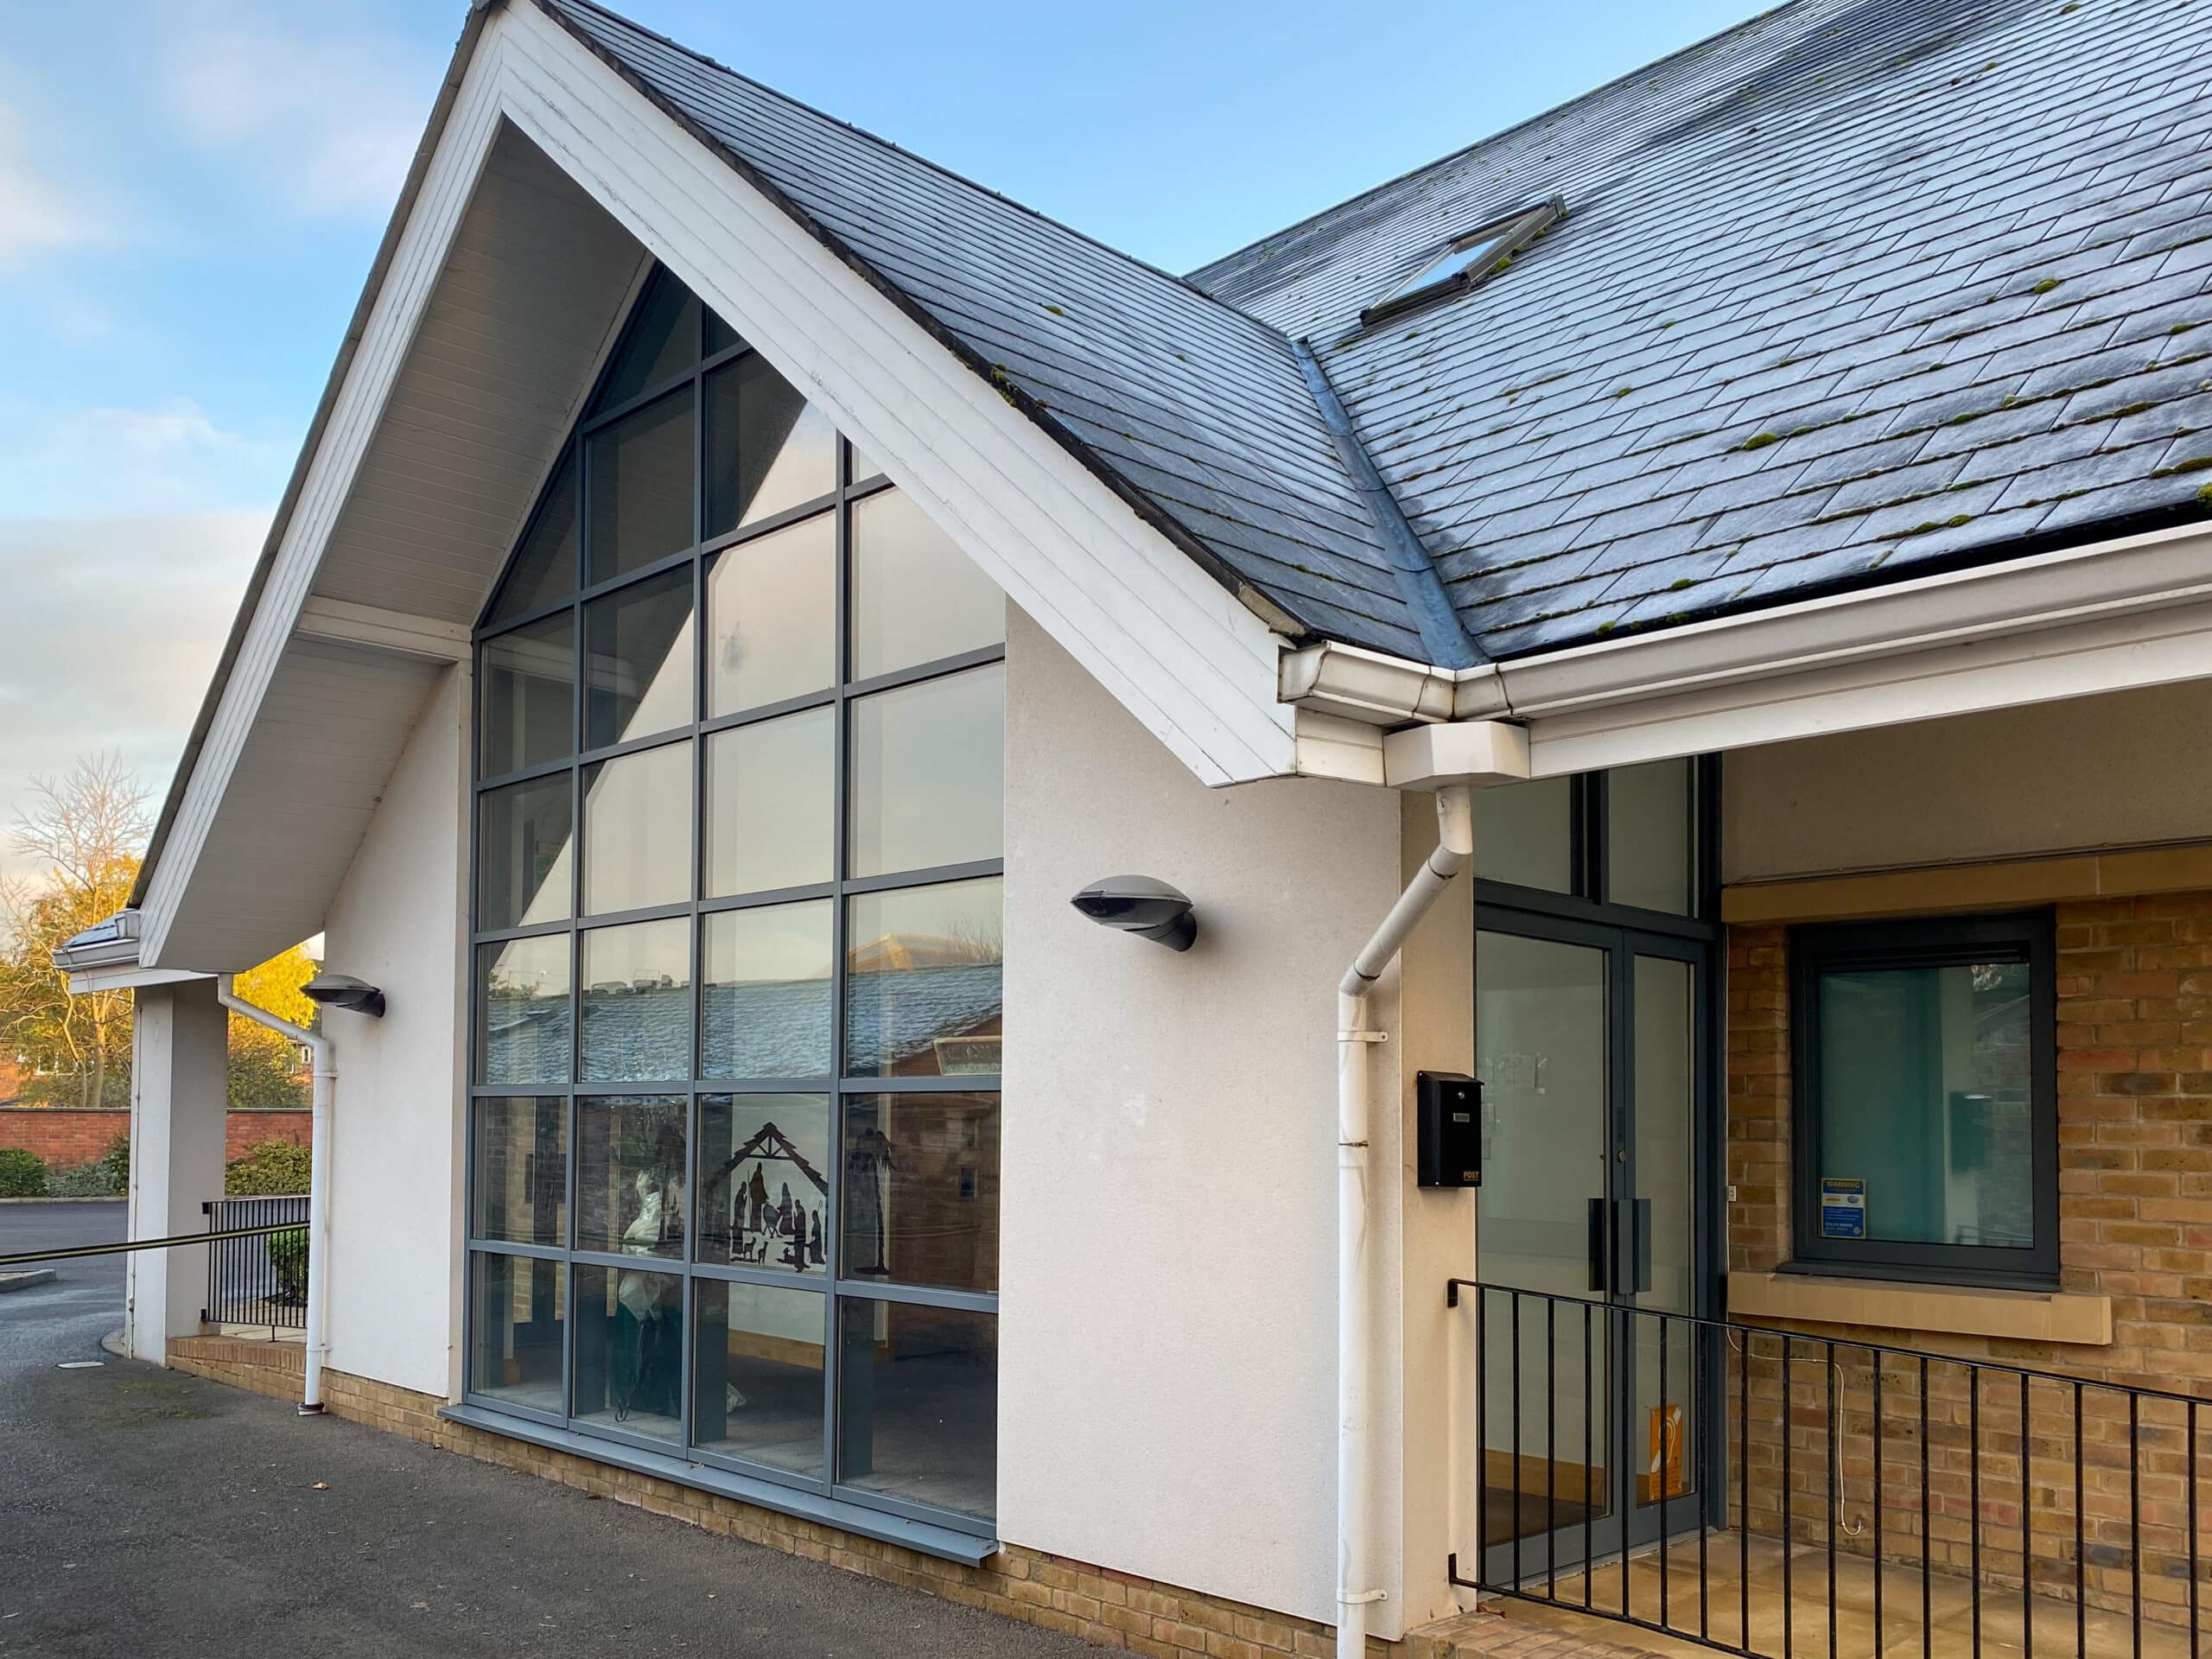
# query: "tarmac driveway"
{"points": [[145, 1513]]}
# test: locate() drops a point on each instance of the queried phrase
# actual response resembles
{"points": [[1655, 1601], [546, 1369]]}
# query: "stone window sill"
{"points": [[1898, 1305]]}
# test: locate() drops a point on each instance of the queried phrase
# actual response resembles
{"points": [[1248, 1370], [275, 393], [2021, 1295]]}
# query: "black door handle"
{"points": [[1635, 1234], [1598, 1257]]}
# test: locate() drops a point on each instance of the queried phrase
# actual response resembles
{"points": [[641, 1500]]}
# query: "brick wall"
{"points": [[67, 1137], [1106, 1608], [2134, 1009]]}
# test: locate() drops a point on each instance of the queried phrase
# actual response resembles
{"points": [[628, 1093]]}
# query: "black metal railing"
{"points": [[260, 1280], [1776, 1495]]}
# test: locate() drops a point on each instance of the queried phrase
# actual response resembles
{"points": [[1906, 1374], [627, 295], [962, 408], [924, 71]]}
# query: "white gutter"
{"points": [[2133, 610], [326, 1075], [1455, 823]]}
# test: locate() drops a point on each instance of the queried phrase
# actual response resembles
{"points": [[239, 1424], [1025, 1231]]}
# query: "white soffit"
{"points": [[503, 285]]}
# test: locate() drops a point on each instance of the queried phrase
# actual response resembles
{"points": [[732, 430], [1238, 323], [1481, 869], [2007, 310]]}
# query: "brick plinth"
{"points": [[2134, 1065], [1106, 1608]]}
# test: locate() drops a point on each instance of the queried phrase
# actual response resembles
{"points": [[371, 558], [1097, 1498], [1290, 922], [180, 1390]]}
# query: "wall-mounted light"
{"points": [[344, 991], [1139, 904]]}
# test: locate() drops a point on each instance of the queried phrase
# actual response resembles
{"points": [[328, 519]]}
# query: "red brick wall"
{"points": [[2134, 1040], [66, 1137]]}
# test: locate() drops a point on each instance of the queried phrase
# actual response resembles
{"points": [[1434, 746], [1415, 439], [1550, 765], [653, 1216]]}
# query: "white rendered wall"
{"points": [[180, 1049], [395, 1165], [1167, 1324]]}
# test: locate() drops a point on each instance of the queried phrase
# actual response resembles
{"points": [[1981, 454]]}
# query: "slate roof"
{"points": [[1857, 290]]}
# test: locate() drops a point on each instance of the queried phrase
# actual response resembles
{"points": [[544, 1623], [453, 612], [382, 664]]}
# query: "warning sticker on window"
{"points": [[1843, 1208]]}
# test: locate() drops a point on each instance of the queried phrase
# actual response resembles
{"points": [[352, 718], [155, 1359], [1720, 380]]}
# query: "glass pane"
{"points": [[1524, 833], [641, 474], [522, 1010], [916, 597], [529, 698], [757, 1390], [630, 1350], [516, 1312], [918, 1403], [863, 467], [1665, 1109], [522, 853], [1925, 1119], [638, 660], [1650, 837], [921, 1201], [544, 567], [637, 830], [928, 765], [766, 973], [638, 1002], [720, 335], [922, 981], [630, 1174], [1541, 1051], [772, 604], [770, 803], [663, 342], [768, 449], [764, 1181], [519, 1171]]}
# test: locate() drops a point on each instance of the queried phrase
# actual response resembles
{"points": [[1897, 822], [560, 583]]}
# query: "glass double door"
{"points": [[1589, 1045]]}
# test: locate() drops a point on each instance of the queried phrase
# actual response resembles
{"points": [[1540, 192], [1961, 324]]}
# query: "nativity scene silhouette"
{"points": [[784, 1231]]}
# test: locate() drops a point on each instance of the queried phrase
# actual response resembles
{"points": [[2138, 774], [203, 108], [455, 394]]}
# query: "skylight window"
{"points": [[1467, 260]]}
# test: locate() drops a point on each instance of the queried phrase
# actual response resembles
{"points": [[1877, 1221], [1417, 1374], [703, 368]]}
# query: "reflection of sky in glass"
{"points": [[927, 764], [637, 830], [916, 597], [772, 606], [770, 803], [639, 661], [774, 941]]}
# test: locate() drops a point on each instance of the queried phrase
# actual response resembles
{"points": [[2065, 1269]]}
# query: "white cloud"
{"points": [[35, 214], [114, 625], [168, 457], [327, 122]]}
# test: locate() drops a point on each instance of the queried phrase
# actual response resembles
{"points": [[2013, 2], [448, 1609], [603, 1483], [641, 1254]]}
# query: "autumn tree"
{"points": [[86, 828], [264, 1067]]}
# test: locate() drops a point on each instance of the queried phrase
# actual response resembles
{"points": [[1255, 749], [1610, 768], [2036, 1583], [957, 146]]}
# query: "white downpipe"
{"points": [[1455, 826], [326, 1074]]}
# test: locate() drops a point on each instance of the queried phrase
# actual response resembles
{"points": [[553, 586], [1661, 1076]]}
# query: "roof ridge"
{"points": [[1502, 134], [916, 156]]}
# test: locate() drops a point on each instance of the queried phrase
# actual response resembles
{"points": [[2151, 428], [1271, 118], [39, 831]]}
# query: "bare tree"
{"points": [[88, 827]]}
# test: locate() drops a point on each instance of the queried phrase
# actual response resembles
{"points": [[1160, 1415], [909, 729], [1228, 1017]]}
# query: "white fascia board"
{"points": [[131, 977], [1174, 646], [394, 316], [1171, 644], [2135, 611]]}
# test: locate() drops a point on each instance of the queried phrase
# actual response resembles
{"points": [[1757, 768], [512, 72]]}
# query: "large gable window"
{"points": [[1925, 1088], [735, 1108]]}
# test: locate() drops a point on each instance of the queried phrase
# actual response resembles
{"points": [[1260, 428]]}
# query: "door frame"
{"points": [[1624, 932]]}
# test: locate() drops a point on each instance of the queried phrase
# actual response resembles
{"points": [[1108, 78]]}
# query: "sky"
{"points": [[191, 191]]}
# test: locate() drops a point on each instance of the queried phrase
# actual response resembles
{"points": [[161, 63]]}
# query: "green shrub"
{"points": [[85, 1181], [116, 1160], [288, 1255], [270, 1170], [22, 1174]]}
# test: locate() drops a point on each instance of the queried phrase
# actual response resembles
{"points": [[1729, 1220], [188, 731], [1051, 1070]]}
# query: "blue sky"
{"points": [[191, 191]]}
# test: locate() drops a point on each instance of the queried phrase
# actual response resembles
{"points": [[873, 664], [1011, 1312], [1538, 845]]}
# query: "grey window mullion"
{"points": [[659, 740], [768, 711], [982, 656], [768, 1085], [675, 909], [512, 1247], [534, 930], [769, 526], [873, 1290], [568, 1271], [974, 870], [840, 953], [591, 425], [955, 1083], [733, 1272], [812, 892], [527, 774]]}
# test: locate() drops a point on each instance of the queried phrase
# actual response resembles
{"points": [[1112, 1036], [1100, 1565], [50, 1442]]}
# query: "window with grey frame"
{"points": [[1924, 1084], [733, 1132]]}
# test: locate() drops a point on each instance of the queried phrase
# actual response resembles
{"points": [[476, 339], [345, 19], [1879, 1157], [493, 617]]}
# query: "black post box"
{"points": [[1448, 1130]]}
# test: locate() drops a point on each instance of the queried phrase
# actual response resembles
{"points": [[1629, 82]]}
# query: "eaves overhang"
{"points": [[2104, 616]]}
